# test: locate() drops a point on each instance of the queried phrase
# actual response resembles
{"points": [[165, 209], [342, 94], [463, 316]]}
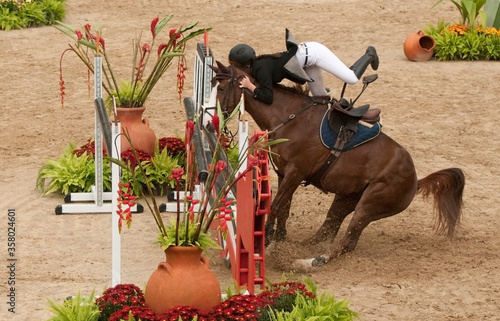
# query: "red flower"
{"points": [[101, 41], [174, 145], [153, 26], [173, 34], [177, 174], [146, 47], [219, 167], [215, 123], [125, 198], [79, 34], [189, 131], [181, 75], [161, 48]]}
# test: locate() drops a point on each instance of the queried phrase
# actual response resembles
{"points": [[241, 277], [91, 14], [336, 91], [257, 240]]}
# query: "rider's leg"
{"points": [[322, 57], [369, 58], [317, 87]]}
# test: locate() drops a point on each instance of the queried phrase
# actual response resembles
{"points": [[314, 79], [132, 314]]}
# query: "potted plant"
{"points": [[188, 233], [150, 61]]}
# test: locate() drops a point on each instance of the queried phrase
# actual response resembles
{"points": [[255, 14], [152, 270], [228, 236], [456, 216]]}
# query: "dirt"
{"points": [[444, 113]]}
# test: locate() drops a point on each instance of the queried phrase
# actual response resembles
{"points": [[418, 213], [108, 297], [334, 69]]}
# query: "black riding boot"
{"points": [[369, 58]]}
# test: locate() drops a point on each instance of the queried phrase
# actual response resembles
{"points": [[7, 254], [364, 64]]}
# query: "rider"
{"points": [[301, 63]]}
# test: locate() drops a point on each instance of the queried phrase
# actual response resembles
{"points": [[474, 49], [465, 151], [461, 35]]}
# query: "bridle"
{"points": [[231, 81]]}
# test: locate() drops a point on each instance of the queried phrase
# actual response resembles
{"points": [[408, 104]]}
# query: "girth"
{"points": [[343, 119]]}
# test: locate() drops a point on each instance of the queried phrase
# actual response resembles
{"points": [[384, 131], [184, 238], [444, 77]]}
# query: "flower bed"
{"points": [[459, 42], [280, 301]]}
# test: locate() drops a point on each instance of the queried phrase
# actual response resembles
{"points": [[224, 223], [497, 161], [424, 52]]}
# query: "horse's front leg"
{"points": [[280, 208]]}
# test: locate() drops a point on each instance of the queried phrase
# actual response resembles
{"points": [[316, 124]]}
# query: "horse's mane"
{"points": [[273, 55], [295, 88]]}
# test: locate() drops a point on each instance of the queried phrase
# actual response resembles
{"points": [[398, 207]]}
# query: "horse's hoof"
{"points": [[318, 261], [303, 264]]}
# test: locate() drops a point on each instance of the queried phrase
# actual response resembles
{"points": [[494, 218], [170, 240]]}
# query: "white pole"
{"points": [[115, 234], [243, 135]]}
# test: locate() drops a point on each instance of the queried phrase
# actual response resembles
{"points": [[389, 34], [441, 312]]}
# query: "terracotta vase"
{"points": [[184, 279], [419, 46], [142, 136]]}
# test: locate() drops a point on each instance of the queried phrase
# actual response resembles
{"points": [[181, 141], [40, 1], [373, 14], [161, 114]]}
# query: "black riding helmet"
{"points": [[242, 54]]}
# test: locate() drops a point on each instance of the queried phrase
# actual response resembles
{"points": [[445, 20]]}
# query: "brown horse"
{"points": [[375, 180]]}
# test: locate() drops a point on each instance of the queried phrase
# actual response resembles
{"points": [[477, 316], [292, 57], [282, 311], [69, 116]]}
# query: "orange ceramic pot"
{"points": [[419, 46], [184, 278], [142, 136]]}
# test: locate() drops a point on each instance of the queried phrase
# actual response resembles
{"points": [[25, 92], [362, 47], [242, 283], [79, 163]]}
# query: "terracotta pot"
{"points": [[419, 46], [184, 279], [142, 136]]}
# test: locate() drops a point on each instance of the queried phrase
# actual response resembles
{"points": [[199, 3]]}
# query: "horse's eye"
{"points": [[220, 88]]}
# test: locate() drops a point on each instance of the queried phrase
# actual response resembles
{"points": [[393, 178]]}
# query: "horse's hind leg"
{"points": [[342, 205], [379, 200]]}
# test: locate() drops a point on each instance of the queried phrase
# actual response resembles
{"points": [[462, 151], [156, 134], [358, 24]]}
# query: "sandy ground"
{"points": [[444, 113]]}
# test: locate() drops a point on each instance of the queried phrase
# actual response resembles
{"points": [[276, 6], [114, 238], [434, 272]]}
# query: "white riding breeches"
{"points": [[315, 57]]}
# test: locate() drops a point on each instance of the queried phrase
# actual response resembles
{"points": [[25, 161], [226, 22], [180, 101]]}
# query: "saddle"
{"points": [[362, 113], [343, 118]]}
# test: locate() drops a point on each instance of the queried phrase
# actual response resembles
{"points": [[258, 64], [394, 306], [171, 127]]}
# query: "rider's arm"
{"points": [[264, 91]]}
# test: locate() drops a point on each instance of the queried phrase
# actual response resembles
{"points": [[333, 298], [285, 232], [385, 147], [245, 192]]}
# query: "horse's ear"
{"points": [[220, 65], [215, 69]]}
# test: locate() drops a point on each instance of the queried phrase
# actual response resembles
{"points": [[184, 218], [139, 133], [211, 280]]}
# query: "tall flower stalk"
{"points": [[213, 203], [135, 92], [193, 220]]}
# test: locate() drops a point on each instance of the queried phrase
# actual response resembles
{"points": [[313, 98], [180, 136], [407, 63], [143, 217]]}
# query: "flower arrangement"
{"points": [[135, 91], [279, 301], [190, 227]]}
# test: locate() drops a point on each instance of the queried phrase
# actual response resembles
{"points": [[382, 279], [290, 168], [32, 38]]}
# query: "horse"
{"points": [[374, 180]]}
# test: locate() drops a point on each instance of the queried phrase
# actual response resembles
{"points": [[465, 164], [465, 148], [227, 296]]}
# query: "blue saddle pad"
{"points": [[366, 132]]}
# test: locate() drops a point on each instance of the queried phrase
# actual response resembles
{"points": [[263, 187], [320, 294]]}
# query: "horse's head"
{"points": [[228, 88]]}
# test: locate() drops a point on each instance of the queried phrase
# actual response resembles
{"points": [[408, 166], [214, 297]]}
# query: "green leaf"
{"points": [[66, 29], [78, 308], [162, 23]]}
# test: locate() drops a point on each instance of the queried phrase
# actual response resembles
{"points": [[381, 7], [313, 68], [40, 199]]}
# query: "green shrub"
{"points": [[469, 10], [70, 173], [320, 308], [78, 308], [74, 170], [54, 10], [30, 13], [459, 42], [10, 20], [159, 169]]}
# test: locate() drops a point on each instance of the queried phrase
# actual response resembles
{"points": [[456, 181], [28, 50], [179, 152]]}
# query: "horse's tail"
{"points": [[447, 187]]}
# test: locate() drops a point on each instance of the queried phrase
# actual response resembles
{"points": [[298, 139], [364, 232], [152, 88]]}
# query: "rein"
{"points": [[292, 116]]}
